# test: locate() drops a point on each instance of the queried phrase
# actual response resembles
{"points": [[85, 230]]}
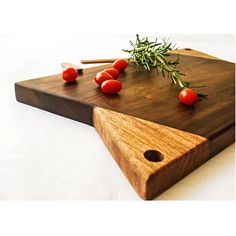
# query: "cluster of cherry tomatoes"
{"points": [[107, 81]]}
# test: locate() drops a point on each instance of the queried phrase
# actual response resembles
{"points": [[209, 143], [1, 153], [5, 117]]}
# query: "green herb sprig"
{"points": [[154, 55]]}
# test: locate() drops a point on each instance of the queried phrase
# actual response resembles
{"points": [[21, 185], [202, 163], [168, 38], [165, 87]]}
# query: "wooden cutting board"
{"points": [[154, 138]]}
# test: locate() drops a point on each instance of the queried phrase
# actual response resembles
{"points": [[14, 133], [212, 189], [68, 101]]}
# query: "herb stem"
{"points": [[153, 55]]}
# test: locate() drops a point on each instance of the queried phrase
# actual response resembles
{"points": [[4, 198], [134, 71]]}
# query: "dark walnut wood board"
{"points": [[155, 139]]}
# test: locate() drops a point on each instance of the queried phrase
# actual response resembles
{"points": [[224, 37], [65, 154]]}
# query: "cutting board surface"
{"points": [[154, 100], [146, 95]]}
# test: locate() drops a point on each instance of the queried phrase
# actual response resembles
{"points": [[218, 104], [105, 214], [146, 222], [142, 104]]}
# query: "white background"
{"points": [[28, 31], [44, 156]]}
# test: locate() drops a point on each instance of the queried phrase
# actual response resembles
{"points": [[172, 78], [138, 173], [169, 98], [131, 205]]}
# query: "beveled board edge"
{"points": [[152, 156], [71, 109], [77, 110]]}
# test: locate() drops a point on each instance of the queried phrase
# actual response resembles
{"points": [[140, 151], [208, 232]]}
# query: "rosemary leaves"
{"points": [[154, 55]]}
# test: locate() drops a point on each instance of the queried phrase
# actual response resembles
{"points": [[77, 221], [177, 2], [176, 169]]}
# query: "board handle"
{"points": [[152, 156], [97, 61], [184, 51]]}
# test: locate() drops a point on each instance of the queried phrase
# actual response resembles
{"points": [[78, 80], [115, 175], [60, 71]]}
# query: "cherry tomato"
{"points": [[120, 64], [188, 96], [111, 86], [101, 77], [69, 74], [113, 72]]}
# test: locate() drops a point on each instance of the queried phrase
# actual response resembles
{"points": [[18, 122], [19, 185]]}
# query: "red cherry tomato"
{"points": [[113, 72], [69, 74], [120, 64], [101, 77], [111, 86], [188, 96]]}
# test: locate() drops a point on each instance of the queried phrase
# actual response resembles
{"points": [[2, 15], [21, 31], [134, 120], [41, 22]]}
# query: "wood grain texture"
{"points": [[147, 96], [186, 51], [96, 61], [194, 53], [173, 153], [148, 100]]}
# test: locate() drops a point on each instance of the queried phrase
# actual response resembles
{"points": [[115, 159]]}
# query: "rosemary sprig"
{"points": [[154, 55]]}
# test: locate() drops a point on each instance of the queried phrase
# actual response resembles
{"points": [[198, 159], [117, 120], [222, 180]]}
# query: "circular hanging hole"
{"points": [[153, 156]]}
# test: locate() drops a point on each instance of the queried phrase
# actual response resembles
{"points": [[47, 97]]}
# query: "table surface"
{"points": [[48, 157]]}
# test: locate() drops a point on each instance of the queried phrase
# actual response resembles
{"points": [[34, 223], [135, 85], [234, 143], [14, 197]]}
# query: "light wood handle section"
{"points": [[133, 141], [193, 53], [95, 61], [184, 51], [152, 156]]}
